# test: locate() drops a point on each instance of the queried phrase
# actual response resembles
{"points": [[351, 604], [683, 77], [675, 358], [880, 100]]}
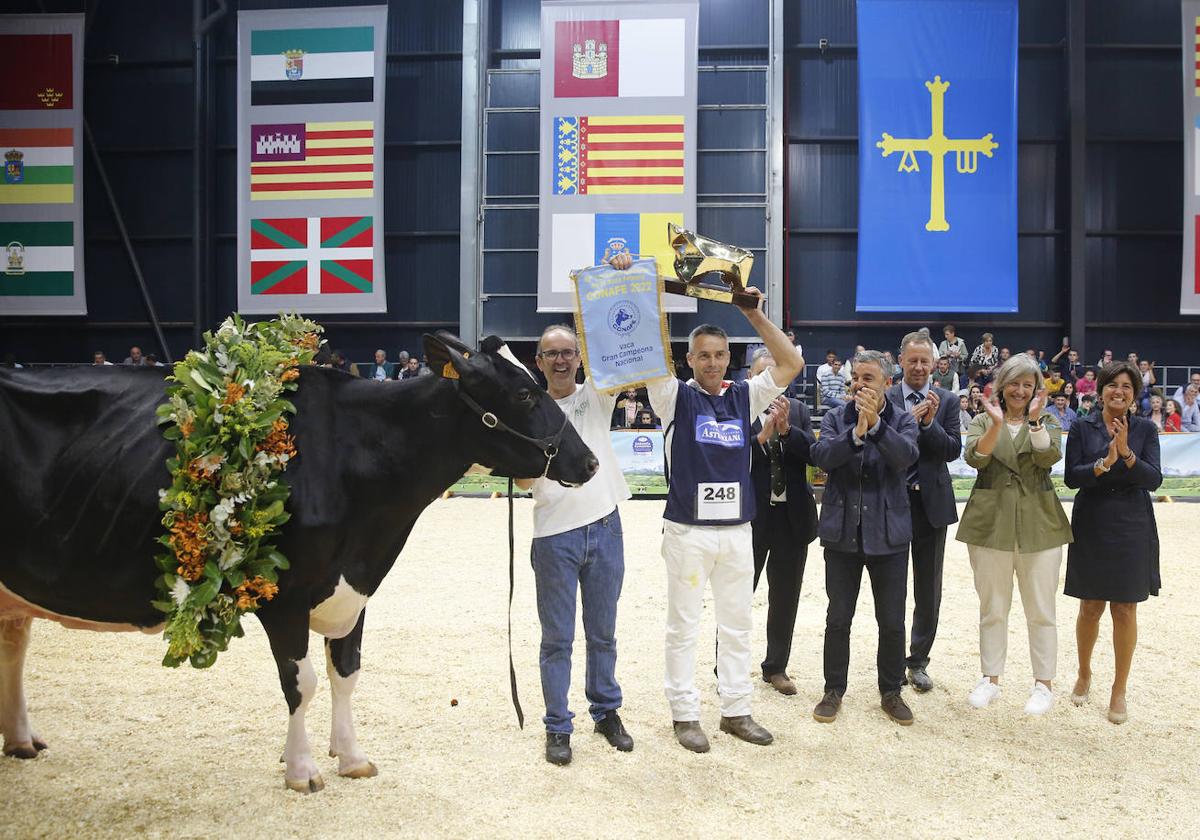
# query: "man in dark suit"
{"points": [[786, 519], [866, 447], [930, 494]]}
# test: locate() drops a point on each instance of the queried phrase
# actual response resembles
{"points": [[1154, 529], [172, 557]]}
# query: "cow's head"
{"points": [[520, 431]]}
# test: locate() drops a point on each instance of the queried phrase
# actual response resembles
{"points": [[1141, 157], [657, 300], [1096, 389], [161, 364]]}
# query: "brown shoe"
{"points": [[690, 736], [782, 683], [744, 727], [894, 707], [827, 710]]}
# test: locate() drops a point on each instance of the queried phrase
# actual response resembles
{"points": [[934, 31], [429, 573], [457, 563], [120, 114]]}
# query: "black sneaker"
{"points": [[613, 730], [558, 748]]}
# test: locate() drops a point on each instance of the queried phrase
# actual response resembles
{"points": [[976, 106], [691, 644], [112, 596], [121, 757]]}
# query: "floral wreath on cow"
{"points": [[227, 416]]}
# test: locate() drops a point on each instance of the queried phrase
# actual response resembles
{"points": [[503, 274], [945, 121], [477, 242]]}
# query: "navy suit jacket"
{"points": [[866, 483], [801, 507], [940, 443]]}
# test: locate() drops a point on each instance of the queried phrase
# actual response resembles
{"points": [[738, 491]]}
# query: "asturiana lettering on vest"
{"points": [[710, 458]]}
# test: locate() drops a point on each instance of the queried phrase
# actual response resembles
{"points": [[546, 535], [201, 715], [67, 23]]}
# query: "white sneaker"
{"points": [[1040, 700], [984, 692]]}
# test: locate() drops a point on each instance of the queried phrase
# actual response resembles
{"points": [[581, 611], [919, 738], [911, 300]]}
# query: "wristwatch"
{"points": [[1035, 425], [1099, 465]]}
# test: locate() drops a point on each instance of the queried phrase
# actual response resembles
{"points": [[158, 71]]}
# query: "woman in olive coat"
{"points": [[1013, 523], [1113, 458]]}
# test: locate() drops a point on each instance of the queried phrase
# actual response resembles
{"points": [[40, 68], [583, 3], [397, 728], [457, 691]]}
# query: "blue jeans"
{"points": [[592, 558]]}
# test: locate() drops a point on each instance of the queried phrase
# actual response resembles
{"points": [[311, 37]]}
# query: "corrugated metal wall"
{"points": [[139, 105]]}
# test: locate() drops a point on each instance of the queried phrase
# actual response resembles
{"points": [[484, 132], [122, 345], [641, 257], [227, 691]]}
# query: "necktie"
{"points": [[913, 399], [775, 452]]}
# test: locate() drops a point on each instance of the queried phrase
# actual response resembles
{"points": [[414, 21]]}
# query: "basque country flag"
{"points": [[313, 256], [312, 160], [581, 240], [629, 57], [312, 66], [35, 73]]}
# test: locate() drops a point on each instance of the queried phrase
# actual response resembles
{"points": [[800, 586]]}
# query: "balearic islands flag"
{"points": [[311, 256], [36, 72], [39, 166], [312, 160], [319, 65], [39, 258], [627, 57], [584, 239], [618, 155]]}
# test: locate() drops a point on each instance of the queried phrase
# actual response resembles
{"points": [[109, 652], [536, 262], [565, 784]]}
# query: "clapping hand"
{"points": [[1120, 437], [867, 402], [777, 420], [992, 407], [927, 409], [1036, 405]]}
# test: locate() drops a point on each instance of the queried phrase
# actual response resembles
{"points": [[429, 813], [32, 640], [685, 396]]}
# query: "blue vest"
{"points": [[710, 445]]}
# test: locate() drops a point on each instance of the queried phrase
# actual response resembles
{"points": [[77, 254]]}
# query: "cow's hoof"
{"points": [[310, 785], [365, 770], [39, 744], [29, 750]]}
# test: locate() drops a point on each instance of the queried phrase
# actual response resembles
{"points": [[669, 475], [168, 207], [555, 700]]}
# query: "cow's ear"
{"points": [[451, 340], [445, 360]]}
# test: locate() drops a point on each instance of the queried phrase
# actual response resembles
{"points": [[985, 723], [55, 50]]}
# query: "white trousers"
{"points": [[1037, 577], [695, 554]]}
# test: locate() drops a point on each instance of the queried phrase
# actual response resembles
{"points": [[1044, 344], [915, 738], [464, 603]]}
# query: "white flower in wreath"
{"points": [[217, 417], [180, 591], [230, 557]]}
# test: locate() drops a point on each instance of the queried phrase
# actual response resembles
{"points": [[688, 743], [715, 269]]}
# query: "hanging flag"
{"points": [[36, 72], [937, 155], [312, 160], [39, 259], [315, 256], [586, 239], [618, 155], [1189, 293], [41, 189], [39, 166], [296, 66], [627, 57]]}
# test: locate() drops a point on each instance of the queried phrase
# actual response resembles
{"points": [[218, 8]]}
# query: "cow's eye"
{"points": [[525, 396]]}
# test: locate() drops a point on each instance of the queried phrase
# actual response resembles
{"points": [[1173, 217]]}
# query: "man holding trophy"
{"points": [[710, 498]]}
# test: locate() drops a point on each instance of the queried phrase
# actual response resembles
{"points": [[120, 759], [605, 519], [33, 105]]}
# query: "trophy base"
{"points": [[695, 290]]}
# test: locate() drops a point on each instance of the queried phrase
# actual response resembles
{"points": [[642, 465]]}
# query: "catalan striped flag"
{"points": [[38, 259], [312, 160], [312, 66], [39, 166], [641, 155], [312, 256]]}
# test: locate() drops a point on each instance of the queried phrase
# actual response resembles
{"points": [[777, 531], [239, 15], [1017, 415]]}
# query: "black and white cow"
{"points": [[82, 462]]}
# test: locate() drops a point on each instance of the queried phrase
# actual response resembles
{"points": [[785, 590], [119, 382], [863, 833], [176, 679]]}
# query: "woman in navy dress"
{"points": [[1112, 458]]}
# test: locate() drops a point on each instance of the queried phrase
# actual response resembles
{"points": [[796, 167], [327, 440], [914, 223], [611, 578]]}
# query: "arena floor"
{"points": [[137, 749]]}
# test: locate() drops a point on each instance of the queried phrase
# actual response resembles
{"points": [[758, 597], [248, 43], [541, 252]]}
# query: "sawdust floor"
{"points": [[137, 749]]}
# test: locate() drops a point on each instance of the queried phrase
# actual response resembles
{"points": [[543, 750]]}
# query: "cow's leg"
{"points": [[287, 631], [342, 663], [19, 740]]}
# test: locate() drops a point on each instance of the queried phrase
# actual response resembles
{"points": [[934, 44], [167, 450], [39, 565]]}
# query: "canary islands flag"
{"points": [[937, 155]]}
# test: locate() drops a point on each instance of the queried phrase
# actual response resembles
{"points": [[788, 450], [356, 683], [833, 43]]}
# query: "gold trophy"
{"points": [[697, 256]]}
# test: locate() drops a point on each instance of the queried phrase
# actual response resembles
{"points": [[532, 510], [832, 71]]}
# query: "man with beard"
{"points": [[866, 448]]}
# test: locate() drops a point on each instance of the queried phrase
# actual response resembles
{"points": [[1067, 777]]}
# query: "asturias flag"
{"points": [[314, 256], [312, 66], [937, 155]]}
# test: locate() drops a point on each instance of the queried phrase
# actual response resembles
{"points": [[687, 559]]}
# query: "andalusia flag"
{"points": [[38, 259]]}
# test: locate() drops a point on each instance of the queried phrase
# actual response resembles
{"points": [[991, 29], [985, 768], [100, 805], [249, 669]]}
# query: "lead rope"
{"points": [[512, 672]]}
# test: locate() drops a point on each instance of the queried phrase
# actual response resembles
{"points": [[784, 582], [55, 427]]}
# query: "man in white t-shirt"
{"points": [[577, 544]]}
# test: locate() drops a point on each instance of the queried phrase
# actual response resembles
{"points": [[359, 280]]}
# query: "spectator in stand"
{"points": [[1062, 412], [645, 420], [823, 370], [382, 369], [964, 413], [1087, 404], [954, 349], [1190, 409], [895, 370], [1149, 380], [412, 369], [1005, 355], [1173, 421], [1054, 382], [1154, 413], [1113, 460], [134, 357], [423, 369], [150, 360], [1179, 392], [99, 359], [341, 363], [975, 399], [1039, 357], [1087, 383], [944, 376], [1068, 388], [1106, 358], [986, 357], [625, 412], [1072, 368], [833, 386], [1132, 358]]}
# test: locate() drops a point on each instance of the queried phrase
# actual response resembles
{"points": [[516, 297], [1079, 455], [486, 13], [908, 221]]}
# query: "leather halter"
{"points": [[547, 445]]}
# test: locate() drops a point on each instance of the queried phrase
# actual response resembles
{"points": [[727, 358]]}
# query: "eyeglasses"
{"points": [[565, 355]]}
